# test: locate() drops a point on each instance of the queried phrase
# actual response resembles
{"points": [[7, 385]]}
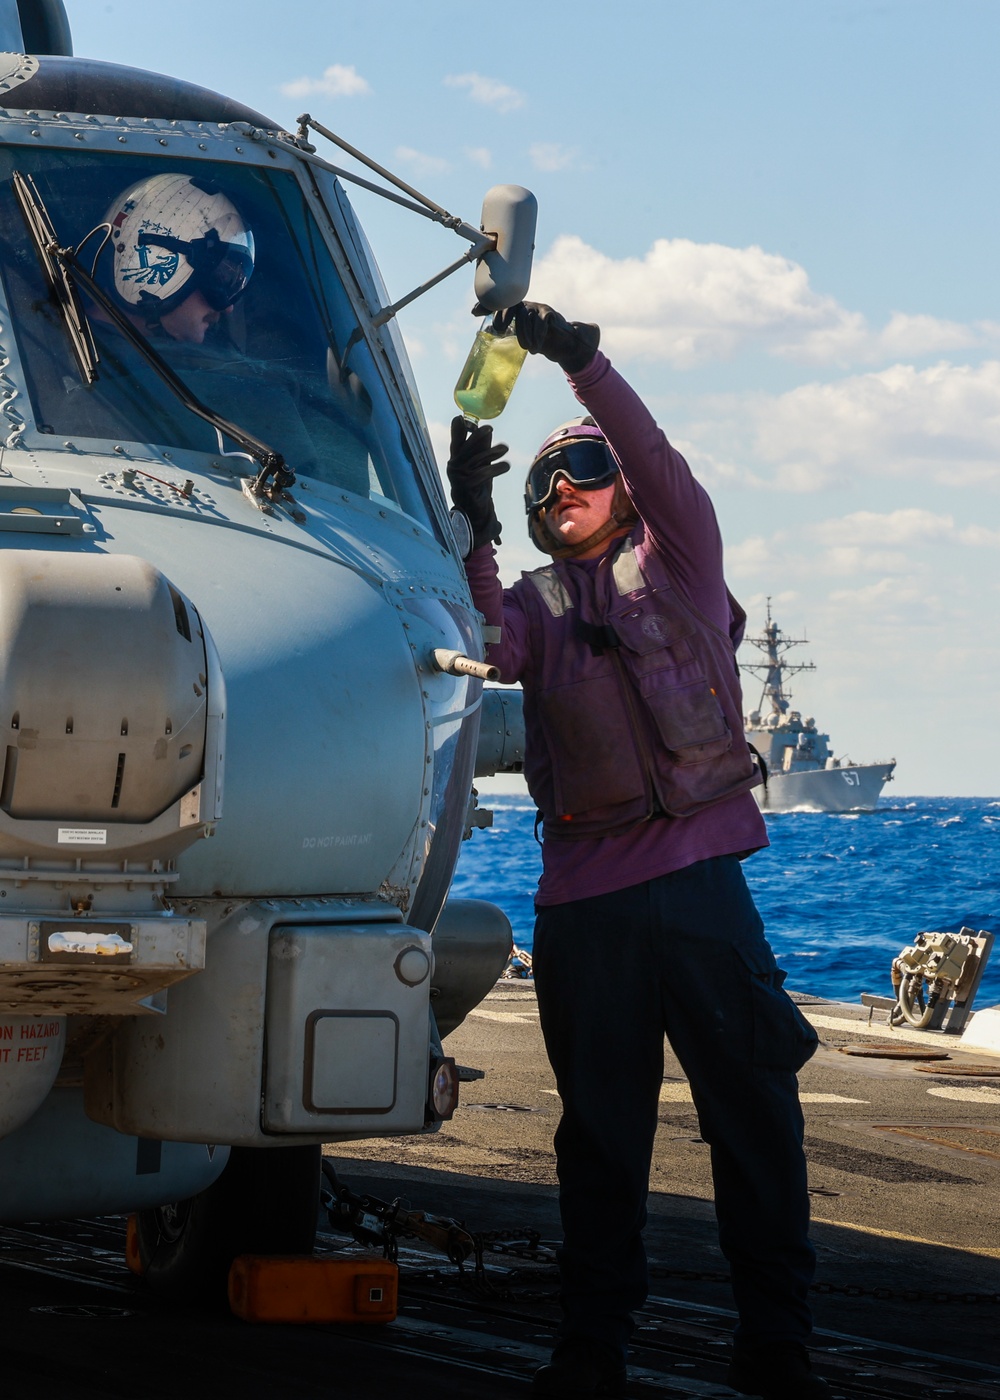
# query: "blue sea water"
{"points": [[841, 894]]}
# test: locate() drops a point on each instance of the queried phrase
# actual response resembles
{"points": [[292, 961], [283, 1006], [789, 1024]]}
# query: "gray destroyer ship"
{"points": [[802, 770]]}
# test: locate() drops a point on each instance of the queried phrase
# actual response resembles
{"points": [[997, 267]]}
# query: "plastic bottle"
{"points": [[489, 373]]}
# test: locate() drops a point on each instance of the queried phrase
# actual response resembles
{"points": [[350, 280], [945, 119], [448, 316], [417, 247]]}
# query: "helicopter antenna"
{"points": [[774, 669]]}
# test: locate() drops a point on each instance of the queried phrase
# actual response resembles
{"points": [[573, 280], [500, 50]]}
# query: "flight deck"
{"points": [[904, 1161]]}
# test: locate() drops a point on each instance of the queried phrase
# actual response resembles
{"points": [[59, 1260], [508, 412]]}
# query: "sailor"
{"points": [[624, 645]]}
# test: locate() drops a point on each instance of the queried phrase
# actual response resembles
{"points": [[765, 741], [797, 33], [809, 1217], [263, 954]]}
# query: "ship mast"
{"points": [[774, 644]]}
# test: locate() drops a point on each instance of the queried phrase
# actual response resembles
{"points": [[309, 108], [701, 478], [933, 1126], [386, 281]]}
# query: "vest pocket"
{"points": [[585, 724], [654, 626], [688, 717]]}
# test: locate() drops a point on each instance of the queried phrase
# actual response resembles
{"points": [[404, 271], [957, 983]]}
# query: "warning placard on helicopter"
{"points": [[82, 836]]}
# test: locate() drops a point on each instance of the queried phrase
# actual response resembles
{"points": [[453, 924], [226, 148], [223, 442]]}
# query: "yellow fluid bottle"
{"points": [[489, 373]]}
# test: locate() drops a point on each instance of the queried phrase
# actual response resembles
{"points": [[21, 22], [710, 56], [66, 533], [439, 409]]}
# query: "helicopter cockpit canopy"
{"points": [[284, 359]]}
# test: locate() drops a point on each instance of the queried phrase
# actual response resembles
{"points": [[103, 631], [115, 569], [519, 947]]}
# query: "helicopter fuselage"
{"points": [[235, 782]]}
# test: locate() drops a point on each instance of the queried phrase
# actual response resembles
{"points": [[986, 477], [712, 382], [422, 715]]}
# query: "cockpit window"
{"points": [[223, 268]]}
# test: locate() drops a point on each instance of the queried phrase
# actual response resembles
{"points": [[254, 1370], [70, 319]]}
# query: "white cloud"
{"points": [[898, 600], [907, 526], [940, 425], [897, 545], [479, 155], [688, 303], [421, 163], [339, 80], [488, 91], [550, 156]]}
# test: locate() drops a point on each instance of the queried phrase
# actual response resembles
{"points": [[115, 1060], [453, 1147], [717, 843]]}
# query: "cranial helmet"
{"points": [[578, 452], [173, 235]]}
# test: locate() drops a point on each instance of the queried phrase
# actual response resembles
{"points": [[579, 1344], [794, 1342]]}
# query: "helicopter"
{"points": [[241, 675]]}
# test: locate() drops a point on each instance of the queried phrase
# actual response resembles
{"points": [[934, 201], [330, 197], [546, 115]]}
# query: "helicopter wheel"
{"points": [[265, 1202]]}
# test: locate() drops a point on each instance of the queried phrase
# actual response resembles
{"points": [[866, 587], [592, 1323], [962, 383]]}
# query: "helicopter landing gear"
{"points": [[265, 1202]]}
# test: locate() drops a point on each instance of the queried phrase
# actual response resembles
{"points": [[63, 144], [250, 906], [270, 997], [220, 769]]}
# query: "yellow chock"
{"points": [[303, 1288], [132, 1256]]}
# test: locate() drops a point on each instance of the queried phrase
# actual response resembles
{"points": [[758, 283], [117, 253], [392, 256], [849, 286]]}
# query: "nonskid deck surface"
{"points": [[904, 1177], [81, 1325]]}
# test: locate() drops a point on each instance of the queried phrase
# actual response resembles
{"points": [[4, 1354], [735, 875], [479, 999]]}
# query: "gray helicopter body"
{"points": [[234, 780]]}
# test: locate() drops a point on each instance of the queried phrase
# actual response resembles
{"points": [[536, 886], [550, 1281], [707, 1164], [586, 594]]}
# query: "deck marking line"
{"points": [[929, 1039], [980, 1095], [906, 1239], [521, 1018], [829, 1098], [893, 1347]]}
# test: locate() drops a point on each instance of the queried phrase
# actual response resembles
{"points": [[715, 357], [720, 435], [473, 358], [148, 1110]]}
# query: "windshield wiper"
{"points": [[274, 477], [43, 235]]}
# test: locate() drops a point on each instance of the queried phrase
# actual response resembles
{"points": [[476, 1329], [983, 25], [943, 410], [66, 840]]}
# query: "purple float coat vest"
{"points": [[635, 705], [677, 547]]}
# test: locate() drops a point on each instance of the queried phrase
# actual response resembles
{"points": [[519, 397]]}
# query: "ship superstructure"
{"points": [[803, 771]]}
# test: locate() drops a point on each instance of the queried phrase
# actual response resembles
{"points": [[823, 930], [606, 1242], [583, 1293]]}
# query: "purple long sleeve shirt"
{"points": [[680, 522]]}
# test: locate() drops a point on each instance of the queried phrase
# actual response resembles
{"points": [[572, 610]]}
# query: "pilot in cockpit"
{"points": [[174, 259], [182, 256]]}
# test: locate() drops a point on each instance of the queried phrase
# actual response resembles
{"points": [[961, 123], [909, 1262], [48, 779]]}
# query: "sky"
{"points": [[785, 217]]}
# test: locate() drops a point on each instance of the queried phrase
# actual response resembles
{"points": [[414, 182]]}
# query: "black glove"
{"points": [[472, 467], [542, 331]]}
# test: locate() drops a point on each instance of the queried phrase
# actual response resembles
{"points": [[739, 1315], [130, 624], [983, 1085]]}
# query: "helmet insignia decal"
{"points": [[153, 266]]}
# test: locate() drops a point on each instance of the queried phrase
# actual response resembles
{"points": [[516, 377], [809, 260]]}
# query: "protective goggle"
{"points": [[586, 463], [221, 270]]}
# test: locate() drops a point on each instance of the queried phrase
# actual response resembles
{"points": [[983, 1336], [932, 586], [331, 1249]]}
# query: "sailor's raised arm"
{"points": [[673, 506]]}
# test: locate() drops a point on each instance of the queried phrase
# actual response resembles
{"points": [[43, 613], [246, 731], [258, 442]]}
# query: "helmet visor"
{"points": [[224, 280], [587, 464], [221, 270]]}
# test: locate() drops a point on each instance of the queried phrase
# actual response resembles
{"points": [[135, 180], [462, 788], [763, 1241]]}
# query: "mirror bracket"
{"points": [[482, 242]]}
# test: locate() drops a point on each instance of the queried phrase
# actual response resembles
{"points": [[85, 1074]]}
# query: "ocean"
{"points": [[840, 894]]}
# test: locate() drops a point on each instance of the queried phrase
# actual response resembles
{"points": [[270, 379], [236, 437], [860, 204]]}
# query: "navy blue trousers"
{"points": [[684, 956]]}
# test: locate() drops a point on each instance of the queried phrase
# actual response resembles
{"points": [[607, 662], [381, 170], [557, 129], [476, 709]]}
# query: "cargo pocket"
{"points": [[782, 1037]]}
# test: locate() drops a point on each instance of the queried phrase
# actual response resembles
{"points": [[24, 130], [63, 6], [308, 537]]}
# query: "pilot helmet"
{"points": [[578, 452], [172, 235]]}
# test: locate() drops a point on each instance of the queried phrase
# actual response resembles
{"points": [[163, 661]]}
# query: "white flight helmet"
{"points": [[175, 234]]}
